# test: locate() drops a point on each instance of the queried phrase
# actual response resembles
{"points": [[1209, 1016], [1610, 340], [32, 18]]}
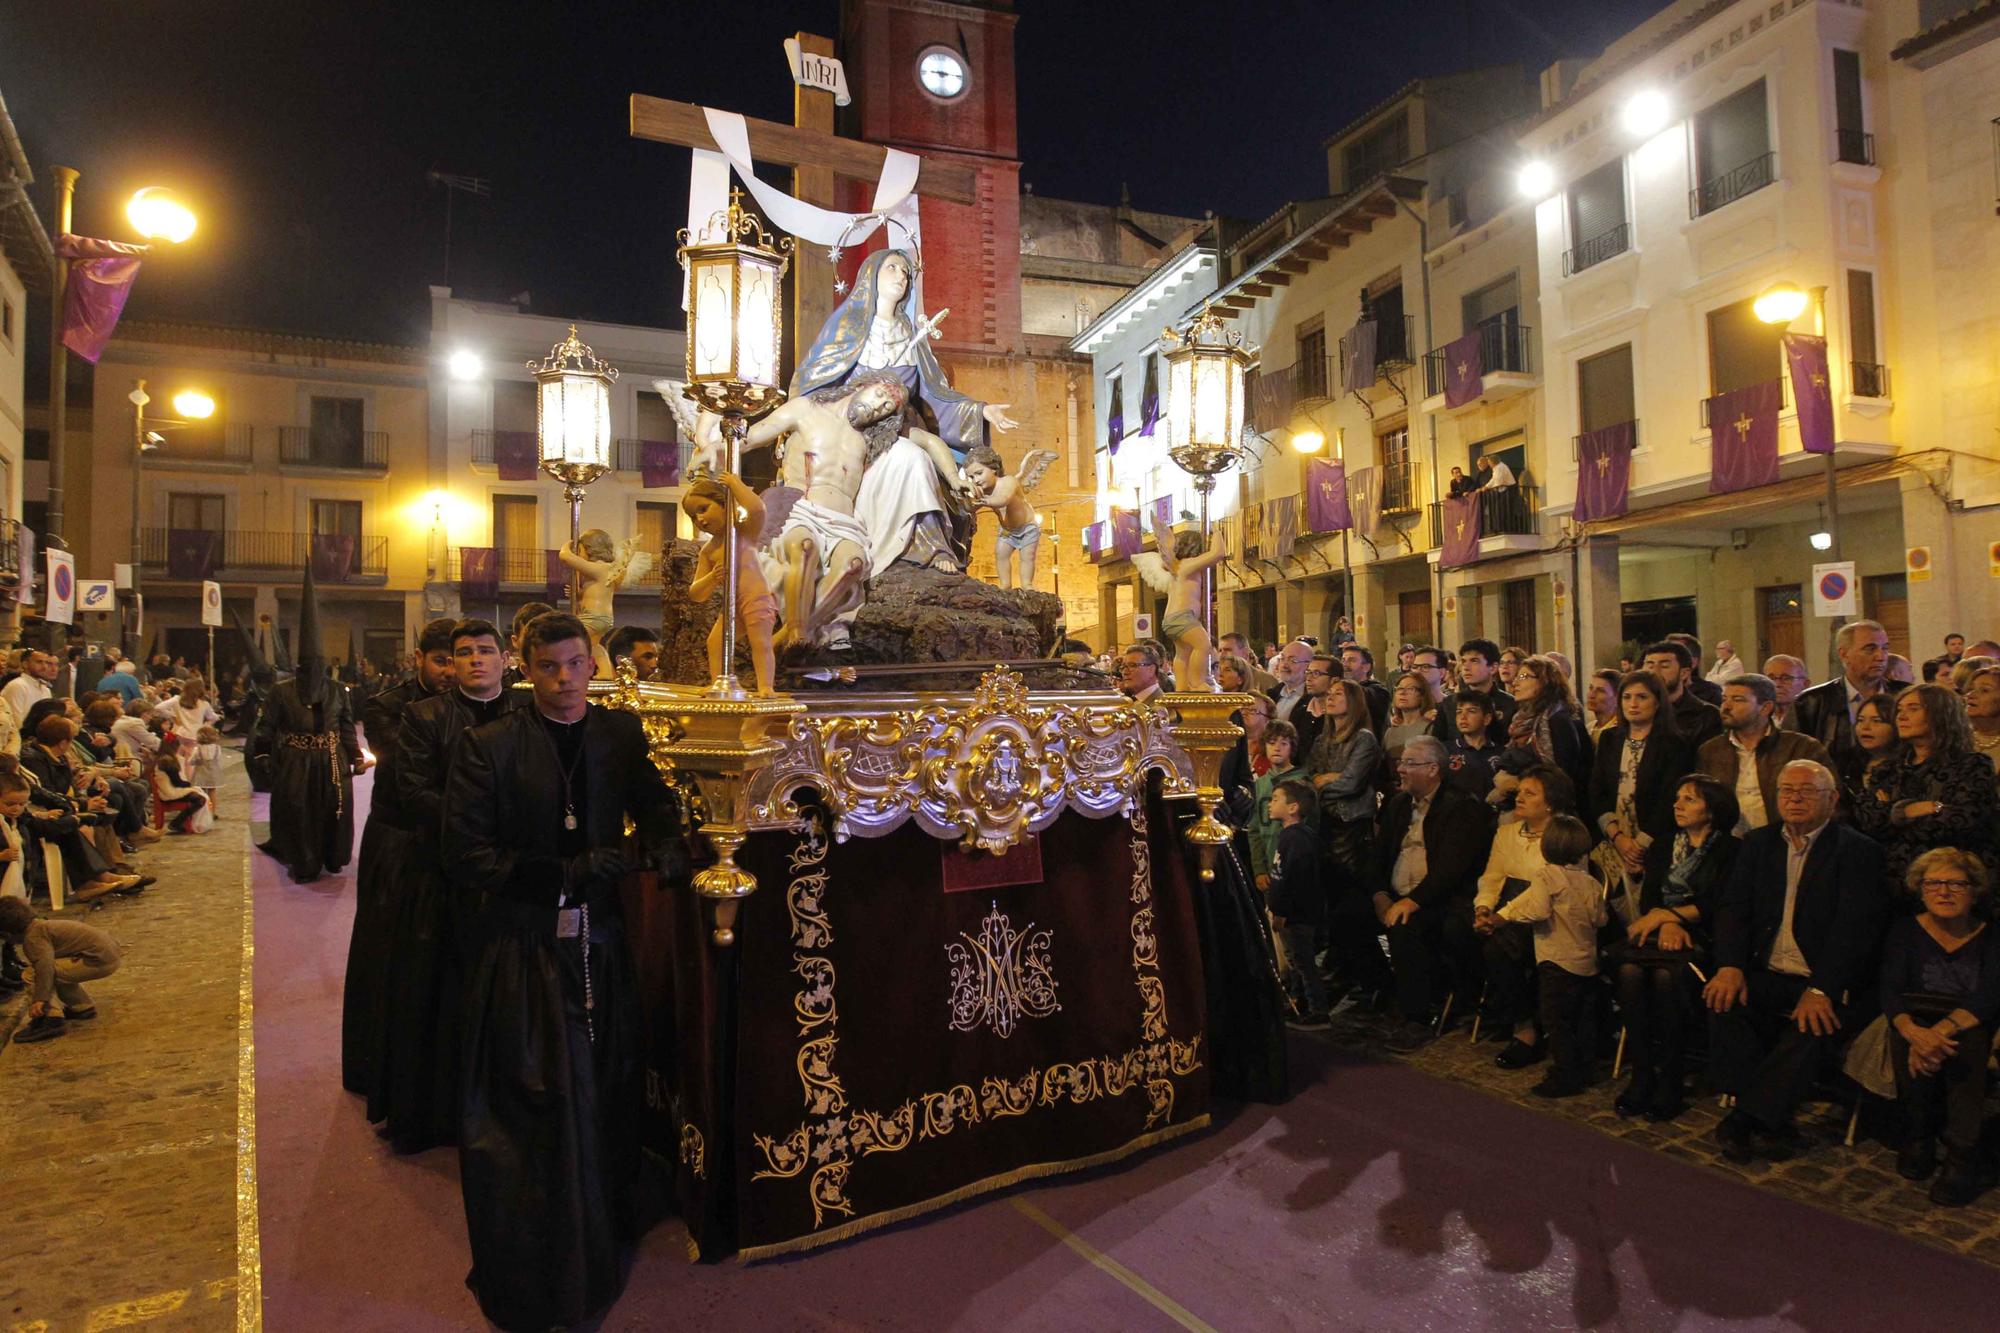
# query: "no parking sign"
{"points": [[1833, 589]]}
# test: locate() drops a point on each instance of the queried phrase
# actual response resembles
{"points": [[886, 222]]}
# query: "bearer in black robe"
{"points": [[429, 929], [305, 745], [534, 819], [385, 851]]}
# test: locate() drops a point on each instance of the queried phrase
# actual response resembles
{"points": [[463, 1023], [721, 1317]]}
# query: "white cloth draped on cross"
{"points": [[708, 196]]}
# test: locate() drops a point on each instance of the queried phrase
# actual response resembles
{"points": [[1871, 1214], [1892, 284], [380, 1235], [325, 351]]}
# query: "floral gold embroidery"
{"points": [[1001, 976]]}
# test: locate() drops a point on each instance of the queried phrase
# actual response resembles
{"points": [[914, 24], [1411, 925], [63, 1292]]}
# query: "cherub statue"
{"points": [[603, 567], [709, 504], [1007, 497], [1176, 571]]}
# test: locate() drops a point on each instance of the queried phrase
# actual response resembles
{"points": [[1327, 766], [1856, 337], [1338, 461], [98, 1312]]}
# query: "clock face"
{"points": [[941, 73]]}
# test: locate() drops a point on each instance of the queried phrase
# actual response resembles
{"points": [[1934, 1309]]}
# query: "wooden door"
{"points": [[1886, 598], [1780, 623], [1414, 617], [1517, 614]]}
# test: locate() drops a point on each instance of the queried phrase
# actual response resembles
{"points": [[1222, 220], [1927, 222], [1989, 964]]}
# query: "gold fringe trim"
{"points": [[894, 1215], [249, 1251]]}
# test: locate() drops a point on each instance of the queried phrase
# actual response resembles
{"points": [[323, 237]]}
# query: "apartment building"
{"points": [[26, 263]]}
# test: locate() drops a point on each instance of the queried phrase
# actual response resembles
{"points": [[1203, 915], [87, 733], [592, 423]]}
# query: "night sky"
{"points": [[302, 130]]}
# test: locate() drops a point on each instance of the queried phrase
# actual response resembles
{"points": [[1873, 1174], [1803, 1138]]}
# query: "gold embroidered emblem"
{"points": [[1742, 424], [1000, 977]]}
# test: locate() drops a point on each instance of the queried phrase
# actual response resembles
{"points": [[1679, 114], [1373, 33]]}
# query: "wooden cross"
{"points": [[1742, 424]]}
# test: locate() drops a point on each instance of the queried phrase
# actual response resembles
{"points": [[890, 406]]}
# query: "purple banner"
{"points": [[478, 574], [1326, 497], [1163, 516], [1149, 401], [1364, 500], [1464, 373], [1126, 538], [101, 274], [1114, 417], [1093, 541], [1603, 472], [1357, 357], [333, 557], [1743, 437], [192, 553], [1461, 531], [517, 453], [659, 463], [1812, 391], [1281, 527], [557, 576]]}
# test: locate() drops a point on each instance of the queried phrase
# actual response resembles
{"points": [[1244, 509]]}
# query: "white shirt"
{"points": [[1729, 668], [1749, 791], [1566, 907], [134, 737], [1288, 699], [1515, 855], [13, 884], [22, 693], [1785, 954], [1501, 475], [1412, 861]]}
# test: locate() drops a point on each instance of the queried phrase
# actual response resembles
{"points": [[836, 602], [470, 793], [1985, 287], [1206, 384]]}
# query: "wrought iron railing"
{"points": [[1784, 400], [244, 551], [1502, 348], [1504, 511], [1732, 185], [529, 568], [314, 446], [629, 455], [1856, 146], [1870, 379], [1607, 244]]}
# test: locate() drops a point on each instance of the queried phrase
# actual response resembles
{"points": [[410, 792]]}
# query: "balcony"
{"points": [[244, 554], [1869, 379], [528, 568], [1274, 394], [1732, 185], [209, 444], [1506, 366], [1576, 444], [627, 454], [1605, 245], [313, 446], [1395, 342], [1855, 146], [10, 553], [1784, 405], [1402, 488], [1509, 521]]}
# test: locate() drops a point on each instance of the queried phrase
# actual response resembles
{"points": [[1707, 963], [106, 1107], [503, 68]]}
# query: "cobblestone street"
{"points": [[120, 1160]]}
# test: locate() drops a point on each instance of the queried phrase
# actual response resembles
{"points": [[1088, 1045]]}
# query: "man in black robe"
{"points": [[534, 816], [427, 932], [306, 747], [385, 848]]}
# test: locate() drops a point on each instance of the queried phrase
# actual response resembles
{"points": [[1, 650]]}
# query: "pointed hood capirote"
{"points": [[311, 655], [251, 652]]}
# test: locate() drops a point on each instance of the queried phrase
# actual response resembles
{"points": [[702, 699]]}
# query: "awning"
{"points": [[1714, 509]]}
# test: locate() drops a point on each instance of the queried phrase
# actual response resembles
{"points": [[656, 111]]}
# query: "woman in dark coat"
{"points": [[1938, 794], [1637, 770]]}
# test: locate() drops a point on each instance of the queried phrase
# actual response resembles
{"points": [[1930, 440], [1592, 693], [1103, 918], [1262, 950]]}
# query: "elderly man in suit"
{"points": [[1431, 843], [1795, 933], [1826, 712]]}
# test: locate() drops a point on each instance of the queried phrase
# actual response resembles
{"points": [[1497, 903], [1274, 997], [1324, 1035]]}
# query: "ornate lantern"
{"points": [[735, 315], [1205, 371], [573, 422]]}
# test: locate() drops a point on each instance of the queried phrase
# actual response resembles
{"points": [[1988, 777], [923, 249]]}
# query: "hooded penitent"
{"points": [[312, 656]]}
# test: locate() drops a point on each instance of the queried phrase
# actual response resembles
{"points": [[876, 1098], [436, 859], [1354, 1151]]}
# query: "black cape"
{"points": [[385, 846], [426, 928], [549, 1124], [312, 787]]}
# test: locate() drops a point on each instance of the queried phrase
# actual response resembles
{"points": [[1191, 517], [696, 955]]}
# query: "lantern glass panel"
{"points": [[757, 329], [575, 420], [1211, 400], [1180, 400], [711, 319], [1233, 376]]}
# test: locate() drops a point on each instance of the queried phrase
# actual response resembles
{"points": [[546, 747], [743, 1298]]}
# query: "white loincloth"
{"points": [[827, 527]]}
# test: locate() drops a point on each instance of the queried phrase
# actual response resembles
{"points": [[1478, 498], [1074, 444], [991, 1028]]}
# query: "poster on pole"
{"points": [[98, 596], [211, 603], [1833, 589], [1917, 564], [62, 588]]}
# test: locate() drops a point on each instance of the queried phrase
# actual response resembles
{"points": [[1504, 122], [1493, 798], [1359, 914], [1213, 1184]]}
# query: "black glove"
{"points": [[598, 868]]}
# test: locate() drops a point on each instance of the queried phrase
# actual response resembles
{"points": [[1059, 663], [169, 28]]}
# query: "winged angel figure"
{"points": [[1020, 531], [1176, 570]]}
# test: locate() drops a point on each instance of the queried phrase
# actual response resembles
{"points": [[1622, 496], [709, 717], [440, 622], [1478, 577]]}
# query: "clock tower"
{"points": [[937, 78]]}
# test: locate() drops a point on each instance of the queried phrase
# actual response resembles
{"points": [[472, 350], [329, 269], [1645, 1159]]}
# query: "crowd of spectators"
{"points": [[1757, 880]]}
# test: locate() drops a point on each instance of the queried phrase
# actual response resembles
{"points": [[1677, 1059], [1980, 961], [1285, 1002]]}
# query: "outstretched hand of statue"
{"points": [[996, 416]]}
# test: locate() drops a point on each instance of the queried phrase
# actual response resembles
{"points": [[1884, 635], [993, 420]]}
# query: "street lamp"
{"points": [[158, 215], [1780, 304], [190, 406], [735, 328], [1309, 441], [1205, 370], [573, 423]]}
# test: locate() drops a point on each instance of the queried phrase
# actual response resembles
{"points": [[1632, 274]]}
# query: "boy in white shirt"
{"points": [[1565, 905]]}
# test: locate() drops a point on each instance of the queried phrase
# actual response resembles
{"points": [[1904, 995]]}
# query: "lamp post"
{"points": [[573, 424], [1205, 370], [190, 405], [1780, 304], [735, 329]]}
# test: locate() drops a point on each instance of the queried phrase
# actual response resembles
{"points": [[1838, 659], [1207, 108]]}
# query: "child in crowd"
{"points": [[1566, 906], [1295, 899], [204, 769], [169, 784], [1281, 748], [63, 955]]}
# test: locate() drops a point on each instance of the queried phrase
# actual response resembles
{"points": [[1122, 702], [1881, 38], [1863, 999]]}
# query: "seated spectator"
{"points": [[1749, 753], [1294, 898], [1638, 767], [1504, 955], [1564, 906], [171, 787], [122, 680], [1982, 711], [1939, 794], [135, 737], [1941, 995], [53, 817], [1281, 741], [1795, 930], [1430, 843], [1657, 977], [1728, 666], [63, 955], [1473, 753]]}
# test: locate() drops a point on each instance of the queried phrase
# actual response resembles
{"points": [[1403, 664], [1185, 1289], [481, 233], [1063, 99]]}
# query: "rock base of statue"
{"points": [[913, 617]]}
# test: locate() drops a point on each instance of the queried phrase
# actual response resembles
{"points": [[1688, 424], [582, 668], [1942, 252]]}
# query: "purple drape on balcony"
{"points": [[1461, 531], [558, 579], [1812, 390], [1281, 527], [192, 553], [1162, 519], [1114, 417], [1743, 437], [1464, 371], [516, 453], [1126, 538], [333, 556], [1364, 500], [1326, 497], [659, 463], [1357, 357], [478, 574], [1149, 400], [1603, 472], [1093, 540]]}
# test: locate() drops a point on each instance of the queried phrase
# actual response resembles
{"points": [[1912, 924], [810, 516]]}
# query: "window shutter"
{"points": [[1597, 203]]}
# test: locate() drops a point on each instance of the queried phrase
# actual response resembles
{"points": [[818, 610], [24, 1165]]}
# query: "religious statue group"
{"points": [[881, 461]]}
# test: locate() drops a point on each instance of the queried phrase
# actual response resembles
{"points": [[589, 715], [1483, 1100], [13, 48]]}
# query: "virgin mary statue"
{"points": [[875, 328]]}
